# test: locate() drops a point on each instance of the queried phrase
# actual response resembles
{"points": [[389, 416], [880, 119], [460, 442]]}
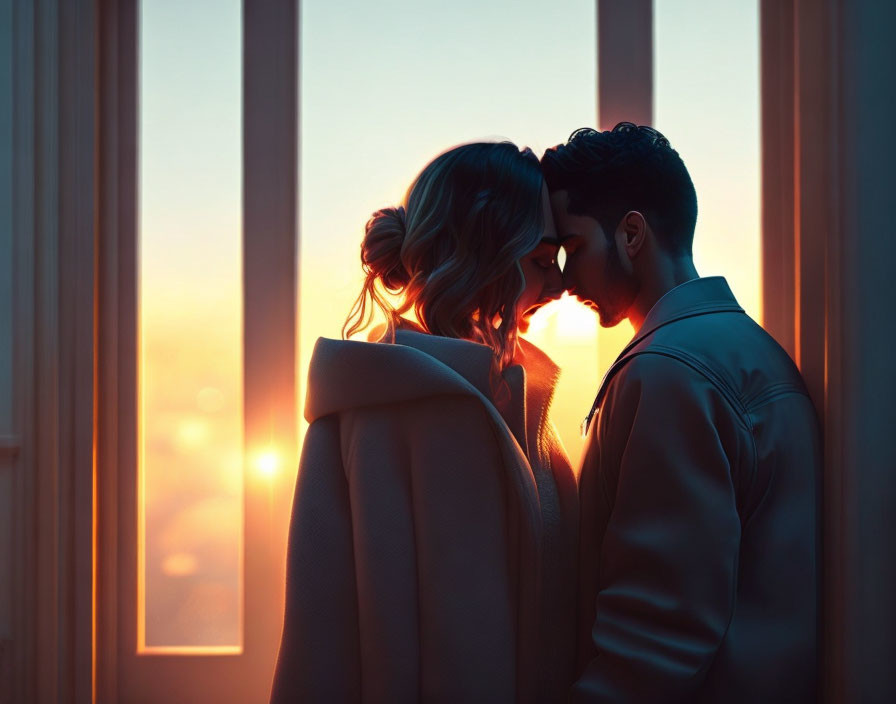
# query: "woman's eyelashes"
{"points": [[545, 255]]}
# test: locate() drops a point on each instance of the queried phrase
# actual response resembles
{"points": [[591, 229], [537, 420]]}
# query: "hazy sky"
{"points": [[706, 101], [385, 86], [191, 319]]}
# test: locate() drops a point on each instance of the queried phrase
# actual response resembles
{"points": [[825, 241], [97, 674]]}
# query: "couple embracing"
{"points": [[443, 549]]}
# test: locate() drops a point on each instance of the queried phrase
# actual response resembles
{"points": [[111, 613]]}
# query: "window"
{"points": [[203, 498], [385, 87]]}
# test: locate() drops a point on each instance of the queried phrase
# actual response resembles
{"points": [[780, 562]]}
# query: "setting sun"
{"points": [[565, 318], [267, 463]]}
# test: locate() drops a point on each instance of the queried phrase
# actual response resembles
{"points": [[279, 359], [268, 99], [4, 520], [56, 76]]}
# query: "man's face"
{"points": [[594, 272]]}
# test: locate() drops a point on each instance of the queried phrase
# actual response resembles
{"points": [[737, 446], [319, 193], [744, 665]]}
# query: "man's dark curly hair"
{"points": [[608, 174]]}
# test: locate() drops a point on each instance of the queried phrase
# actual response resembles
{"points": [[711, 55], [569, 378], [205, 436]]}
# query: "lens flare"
{"points": [[267, 463]]}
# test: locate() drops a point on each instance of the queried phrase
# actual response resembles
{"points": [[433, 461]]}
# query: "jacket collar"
{"points": [[698, 296]]}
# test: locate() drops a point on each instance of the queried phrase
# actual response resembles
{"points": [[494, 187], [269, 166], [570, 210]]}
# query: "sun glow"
{"points": [[565, 318], [568, 332], [267, 463], [180, 564]]}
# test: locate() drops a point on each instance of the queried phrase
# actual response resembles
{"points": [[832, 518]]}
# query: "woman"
{"points": [[432, 545]]}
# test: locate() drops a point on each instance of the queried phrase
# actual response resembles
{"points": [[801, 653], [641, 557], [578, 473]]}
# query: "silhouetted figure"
{"points": [[432, 549], [699, 485]]}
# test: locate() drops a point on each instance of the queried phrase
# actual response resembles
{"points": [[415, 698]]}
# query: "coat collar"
{"points": [[532, 382]]}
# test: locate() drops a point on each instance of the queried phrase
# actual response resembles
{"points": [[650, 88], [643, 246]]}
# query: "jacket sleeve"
{"points": [[668, 561], [319, 660]]}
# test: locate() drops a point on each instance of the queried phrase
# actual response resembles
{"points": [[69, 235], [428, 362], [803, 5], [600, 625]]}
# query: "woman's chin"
{"points": [[524, 319]]}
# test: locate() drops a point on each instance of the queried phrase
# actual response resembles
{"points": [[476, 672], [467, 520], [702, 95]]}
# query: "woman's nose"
{"points": [[553, 284]]}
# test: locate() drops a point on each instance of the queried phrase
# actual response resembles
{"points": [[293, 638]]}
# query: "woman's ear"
{"points": [[634, 233]]}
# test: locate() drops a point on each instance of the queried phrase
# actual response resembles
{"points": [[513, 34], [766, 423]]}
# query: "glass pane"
{"points": [[706, 96], [387, 86], [190, 326]]}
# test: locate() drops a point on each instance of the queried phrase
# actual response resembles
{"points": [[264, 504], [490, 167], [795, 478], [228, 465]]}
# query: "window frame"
{"points": [[270, 246]]}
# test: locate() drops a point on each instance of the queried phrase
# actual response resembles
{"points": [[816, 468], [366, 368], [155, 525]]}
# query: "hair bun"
{"points": [[381, 248]]}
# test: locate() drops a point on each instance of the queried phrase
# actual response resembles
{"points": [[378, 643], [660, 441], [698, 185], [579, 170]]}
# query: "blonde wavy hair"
{"points": [[451, 250]]}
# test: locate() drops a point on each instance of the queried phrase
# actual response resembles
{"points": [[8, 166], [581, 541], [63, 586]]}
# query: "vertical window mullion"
{"points": [[624, 62], [624, 94], [270, 241]]}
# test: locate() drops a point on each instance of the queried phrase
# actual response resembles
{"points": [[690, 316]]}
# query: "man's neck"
{"points": [[668, 274]]}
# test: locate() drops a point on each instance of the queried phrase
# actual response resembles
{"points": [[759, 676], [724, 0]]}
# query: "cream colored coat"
{"points": [[429, 559]]}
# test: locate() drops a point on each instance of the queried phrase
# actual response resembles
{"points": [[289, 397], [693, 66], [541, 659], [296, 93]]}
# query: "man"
{"points": [[699, 485]]}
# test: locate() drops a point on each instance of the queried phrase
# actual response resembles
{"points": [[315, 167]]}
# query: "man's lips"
{"points": [[584, 301]]}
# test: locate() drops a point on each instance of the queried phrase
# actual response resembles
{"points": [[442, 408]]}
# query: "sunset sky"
{"points": [[385, 86]]}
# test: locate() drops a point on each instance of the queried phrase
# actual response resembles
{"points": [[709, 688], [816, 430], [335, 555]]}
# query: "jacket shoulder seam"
{"points": [[773, 392], [719, 383]]}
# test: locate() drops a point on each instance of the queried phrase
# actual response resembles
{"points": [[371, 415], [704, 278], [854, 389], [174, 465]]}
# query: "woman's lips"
{"points": [[534, 309]]}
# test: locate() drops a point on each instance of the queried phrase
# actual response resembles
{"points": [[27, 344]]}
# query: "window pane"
{"points": [[386, 87], [706, 83], [190, 325]]}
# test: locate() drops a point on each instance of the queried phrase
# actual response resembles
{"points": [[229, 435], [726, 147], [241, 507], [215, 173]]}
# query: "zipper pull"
{"points": [[586, 421]]}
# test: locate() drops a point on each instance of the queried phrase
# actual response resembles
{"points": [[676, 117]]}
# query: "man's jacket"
{"points": [[419, 527], [699, 500]]}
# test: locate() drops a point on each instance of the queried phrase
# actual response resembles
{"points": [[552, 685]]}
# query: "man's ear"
{"points": [[634, 232]]}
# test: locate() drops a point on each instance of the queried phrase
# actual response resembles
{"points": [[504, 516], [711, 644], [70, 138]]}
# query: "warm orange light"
{"points": [[180, 564], [192, 433], [267, 463], [210, 399], [564, 320]]}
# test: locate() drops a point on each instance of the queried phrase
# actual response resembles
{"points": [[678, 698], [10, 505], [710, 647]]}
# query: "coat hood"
{"points": [[346, 374]]}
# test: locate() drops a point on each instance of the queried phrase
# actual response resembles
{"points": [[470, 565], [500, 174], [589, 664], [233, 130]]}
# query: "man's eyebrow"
{"points": [[553, 241], [563, 239]]}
